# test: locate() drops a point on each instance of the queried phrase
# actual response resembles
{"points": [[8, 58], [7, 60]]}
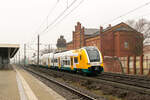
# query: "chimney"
{"points": [[101, 29], [79, 25], [83, 30]]}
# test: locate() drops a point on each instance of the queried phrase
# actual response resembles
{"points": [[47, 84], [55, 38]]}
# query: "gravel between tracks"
{"points": [[68, 95], [109, 92]]}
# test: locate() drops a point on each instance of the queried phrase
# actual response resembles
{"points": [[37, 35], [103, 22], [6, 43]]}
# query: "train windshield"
{"points": [[93, 54]]}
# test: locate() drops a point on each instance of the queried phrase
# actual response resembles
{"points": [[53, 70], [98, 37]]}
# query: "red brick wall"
{"points": [[107, 44], [126, 37], [110, 42], [93, 42], [130, 37], [69, 46], [112, 65], [78, 36]]}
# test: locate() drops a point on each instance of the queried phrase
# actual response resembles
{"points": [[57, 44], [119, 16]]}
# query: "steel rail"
{"points": [[126, 79], [99, 79], [82, 95]]}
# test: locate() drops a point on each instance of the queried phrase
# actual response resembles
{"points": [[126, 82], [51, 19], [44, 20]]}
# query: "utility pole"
{"points": [[8, 56], [38, 47], [16, 58], [13, 59], [24, 54], [19, 57], [49, 48]]}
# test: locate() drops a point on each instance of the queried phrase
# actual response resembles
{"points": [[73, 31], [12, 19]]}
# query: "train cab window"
{"points": [[75, 59]]}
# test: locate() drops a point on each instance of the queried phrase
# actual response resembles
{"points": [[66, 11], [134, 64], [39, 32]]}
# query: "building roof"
{"points": [[90, 31], [8, 50], [9, 45], [123, 29], [69, 42]]}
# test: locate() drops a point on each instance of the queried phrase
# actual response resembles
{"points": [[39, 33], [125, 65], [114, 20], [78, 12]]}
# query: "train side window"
{"points": [[56, 60], [75, 59], [65, 62], [68, 62]]}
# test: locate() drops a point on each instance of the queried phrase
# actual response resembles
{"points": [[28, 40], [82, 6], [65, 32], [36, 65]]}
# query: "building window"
{"points": [[126, 44]]}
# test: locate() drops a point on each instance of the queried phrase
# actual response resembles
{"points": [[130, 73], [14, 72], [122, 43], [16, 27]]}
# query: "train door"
{"points": [[71, 59], [75, 61], [48, 62], [59, 62]]}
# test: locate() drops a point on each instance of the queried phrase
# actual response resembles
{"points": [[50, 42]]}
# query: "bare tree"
{"points": [[142, 26]]}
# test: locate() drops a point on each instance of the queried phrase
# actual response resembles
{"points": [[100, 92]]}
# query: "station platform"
{"points": [[17, 84]]}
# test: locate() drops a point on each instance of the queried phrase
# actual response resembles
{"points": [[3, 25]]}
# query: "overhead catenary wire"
{"points": [[31, 48], [127, 13], [67, 14], [50, 12], [144, 15], [46, 19], [60, 15], [66, 10], [34, 38]]}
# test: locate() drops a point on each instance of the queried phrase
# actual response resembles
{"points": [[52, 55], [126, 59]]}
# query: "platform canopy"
{"points": [[8, 50]]}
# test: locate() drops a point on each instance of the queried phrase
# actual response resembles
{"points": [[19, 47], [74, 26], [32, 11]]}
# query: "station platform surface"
{"points": [[17, 84]]}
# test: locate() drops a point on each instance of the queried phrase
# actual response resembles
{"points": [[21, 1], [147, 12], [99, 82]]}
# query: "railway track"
{"points": [[139, 84], [139, 81], [81, 95], [125, 82]]}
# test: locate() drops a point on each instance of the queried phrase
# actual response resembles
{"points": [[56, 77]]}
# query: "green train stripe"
{"points": [[69, 69]]}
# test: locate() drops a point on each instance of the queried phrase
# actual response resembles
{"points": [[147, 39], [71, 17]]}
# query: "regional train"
{"points": [[86, 60]]}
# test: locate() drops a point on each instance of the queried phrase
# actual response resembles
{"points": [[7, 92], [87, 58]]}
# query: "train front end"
{"points": [[95, 60]]}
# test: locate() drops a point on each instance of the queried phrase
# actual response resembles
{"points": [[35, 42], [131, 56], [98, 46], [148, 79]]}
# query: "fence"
{"points": [[112, 64], [136, 65]]}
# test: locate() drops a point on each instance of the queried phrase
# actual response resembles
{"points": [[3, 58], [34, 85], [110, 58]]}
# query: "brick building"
{"points": [[119, 40]]}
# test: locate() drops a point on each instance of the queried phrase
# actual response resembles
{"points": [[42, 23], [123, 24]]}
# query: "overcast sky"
{"points": [[20, 19]]}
